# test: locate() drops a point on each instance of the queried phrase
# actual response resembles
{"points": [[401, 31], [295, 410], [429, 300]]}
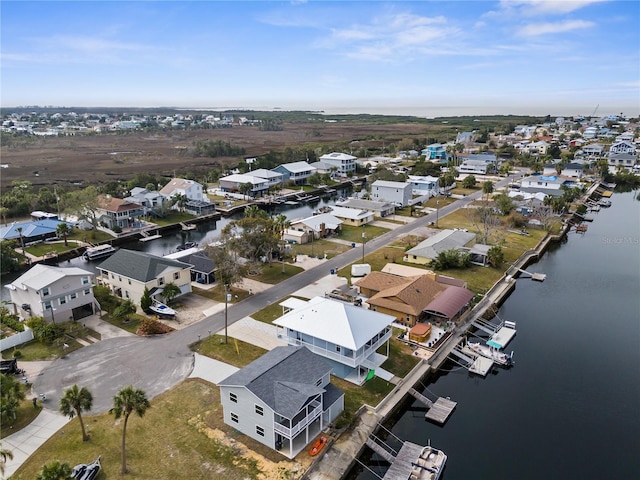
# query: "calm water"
{"points": [[570, 407]]}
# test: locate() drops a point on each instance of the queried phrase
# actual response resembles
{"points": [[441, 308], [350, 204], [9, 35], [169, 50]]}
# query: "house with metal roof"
{"points": [[352, 216], [342, 162], [345, 335], [127, 273], [424, 185], [296, 172], [378, 208], [31, 231], [429, 249], [233, 183], [283, 400], [54, 293], [314, 227], [398, 193]]}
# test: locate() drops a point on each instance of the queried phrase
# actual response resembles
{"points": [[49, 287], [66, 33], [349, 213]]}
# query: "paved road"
{"points": [[157, 364]]}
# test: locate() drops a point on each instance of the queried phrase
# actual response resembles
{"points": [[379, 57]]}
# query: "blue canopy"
{"points": [[493, 344]]}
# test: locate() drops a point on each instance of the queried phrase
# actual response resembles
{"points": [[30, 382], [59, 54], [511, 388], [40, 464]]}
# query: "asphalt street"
{"points": [[156, 364]]}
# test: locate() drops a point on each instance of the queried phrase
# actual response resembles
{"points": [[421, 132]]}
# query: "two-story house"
{"points": [[424, 185], [345, 335], [622, 147], [150, 200], [379, 209], [436, 152], [117, 212], [54, 293], [342, 162], [283, 399], [197, 202], [234, 183], [398, 193], [128, 273], [296, 172]]}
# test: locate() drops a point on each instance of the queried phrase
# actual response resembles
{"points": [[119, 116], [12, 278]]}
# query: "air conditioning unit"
{"points": [[25, 306]]}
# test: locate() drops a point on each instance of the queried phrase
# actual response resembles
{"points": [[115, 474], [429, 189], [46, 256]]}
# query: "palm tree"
{"points": [[75, 401], [128, 400], [4, 456], [487, 188], [281, 223], [19, 230], [180, 200], [55, 471], [3, 214], [171, 290], [64, 230]]}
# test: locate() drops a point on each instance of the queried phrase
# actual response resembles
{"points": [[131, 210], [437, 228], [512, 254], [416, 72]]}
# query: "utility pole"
{"points": [[226, 302], [437, 211], [363, 239]]}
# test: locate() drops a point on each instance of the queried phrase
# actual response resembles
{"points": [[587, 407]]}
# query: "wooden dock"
{"points": [[439, 411]]}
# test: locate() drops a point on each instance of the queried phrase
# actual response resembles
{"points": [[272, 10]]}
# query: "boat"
{"points": [[188, 226], [429, 464], [99, 251], [86, 471], [162, 309], [186, 246], [318, 445], [491, 352]]}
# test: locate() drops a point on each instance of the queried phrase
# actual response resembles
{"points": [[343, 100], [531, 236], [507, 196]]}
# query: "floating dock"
{"points": [[439, 411], [503, 336], [474, 363]]}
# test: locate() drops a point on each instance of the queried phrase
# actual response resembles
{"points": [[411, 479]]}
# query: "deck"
{"points": [[441, 409], [503, 336]]}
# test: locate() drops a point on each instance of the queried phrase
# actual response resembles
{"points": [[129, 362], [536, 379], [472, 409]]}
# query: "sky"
{"points": [[426, 58]]}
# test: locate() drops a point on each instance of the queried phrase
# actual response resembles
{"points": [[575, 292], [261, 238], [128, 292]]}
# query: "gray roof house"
{"points": [[283, 399], [429, 249], [128, 272], [297, 172]]}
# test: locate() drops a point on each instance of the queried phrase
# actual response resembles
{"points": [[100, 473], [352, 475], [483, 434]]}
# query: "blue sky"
{"points": [[427, 58]]}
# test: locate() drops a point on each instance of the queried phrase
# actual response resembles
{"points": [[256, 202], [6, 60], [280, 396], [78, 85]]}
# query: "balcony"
{"points": [[290, 432]]}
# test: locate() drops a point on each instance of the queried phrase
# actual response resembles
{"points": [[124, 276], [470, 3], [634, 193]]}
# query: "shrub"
{"points": [[17, 354], [149, 326], [11, 320]]}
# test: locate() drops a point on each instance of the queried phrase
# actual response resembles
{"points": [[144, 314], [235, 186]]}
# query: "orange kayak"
{"points": [[318, 445]]}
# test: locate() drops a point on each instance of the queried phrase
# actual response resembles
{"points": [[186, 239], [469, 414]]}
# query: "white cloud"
{"points": [[535, 29], [542, 7]]}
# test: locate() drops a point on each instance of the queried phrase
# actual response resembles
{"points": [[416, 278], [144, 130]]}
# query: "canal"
{"points": [[569, 408]]}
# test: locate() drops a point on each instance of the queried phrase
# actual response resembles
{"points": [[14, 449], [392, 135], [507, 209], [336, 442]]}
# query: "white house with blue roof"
{"points": [[345, 335], [283, 400]]}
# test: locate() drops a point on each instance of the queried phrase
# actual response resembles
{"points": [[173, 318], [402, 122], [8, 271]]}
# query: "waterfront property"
{"points": [[428, 249], [378, 208], [296, 172], [203, 269], [283, 399], [345, 335], [342, 163], [54, 293], [118, 213], [352, 216], [127, 273], [31, 231], [234, 183], [312, 228]]}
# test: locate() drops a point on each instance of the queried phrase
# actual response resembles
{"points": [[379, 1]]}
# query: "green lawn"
{"points": [[35, 350], [234, 352], [401, 360], [371, 393], [217, 293], [173, 218], [273, 274], [320, 248], [24, 415], [354, 234], [131, 324], [269, 313]]}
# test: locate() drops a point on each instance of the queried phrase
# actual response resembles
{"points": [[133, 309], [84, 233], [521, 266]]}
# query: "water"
{"points": [[569, 408]]}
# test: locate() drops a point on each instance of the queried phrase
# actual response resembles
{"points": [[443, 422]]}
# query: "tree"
{"points": [[3, 213], [170, 291], [495, 256], [487, 188], [4, 456], [11, 395], [245, 188], [228, 270], [55, 471], [180, 200], [485, 220], [128, 400], [469, 181], [9, 258], [503, 203], [123, 310], [75, 401], [84, 203], [145, 300], [63, 229]]}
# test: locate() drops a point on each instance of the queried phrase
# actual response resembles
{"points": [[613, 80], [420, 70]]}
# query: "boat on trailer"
{"points": [[86, 471], [492, 351], [162, 309]]}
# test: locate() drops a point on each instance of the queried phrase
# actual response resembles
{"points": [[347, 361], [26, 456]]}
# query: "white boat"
{"points": [[162, 309], [99, 251], [86, 472], [429, 464], [492, 352]]}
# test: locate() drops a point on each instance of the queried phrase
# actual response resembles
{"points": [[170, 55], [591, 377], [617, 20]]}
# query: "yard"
{"points": [[234, 352]]}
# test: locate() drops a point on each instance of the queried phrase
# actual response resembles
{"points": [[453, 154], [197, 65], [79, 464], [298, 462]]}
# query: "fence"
{"points": [[17, 339]]}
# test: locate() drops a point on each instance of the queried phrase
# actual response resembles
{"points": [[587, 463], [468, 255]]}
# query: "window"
{"points": [[119, 278], [126, 294], [176, 276], [161, 281], [62, 300], [87, 291], [129, 280], [47, 305], [337, 348], [234, 418], [45, 291], [73, 296], [319, 382], [233, 397], [260, 430], [259, 410], [85, 280]]}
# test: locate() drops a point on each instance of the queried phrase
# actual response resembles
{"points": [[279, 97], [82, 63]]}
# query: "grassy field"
{"points": [[320, 248], [182, 432], [35, 350], [234, 352], [24, 415], [354, 234], [273, 273], [217, 293]]}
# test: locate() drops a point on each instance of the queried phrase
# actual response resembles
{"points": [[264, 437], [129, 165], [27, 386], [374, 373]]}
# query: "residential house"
{"points": [[537, 148], [476, 167], [151, 200], [424, 185], [234, 183], [203, 269], [465, 138], [436, 152], [31, 231], [346, 336], [283, 399], [118, 213], [625, 137], [590, 133], [273, 179], [428, 249], [412, 299], [127, 273], [378, 208], [550, 184], [342, 162], [626, 160], [398, 193], [312, 228], [54, 293], [352, 216], [572, 169], [407, 271], [296, 172], [197, 203], [622, 147]]}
